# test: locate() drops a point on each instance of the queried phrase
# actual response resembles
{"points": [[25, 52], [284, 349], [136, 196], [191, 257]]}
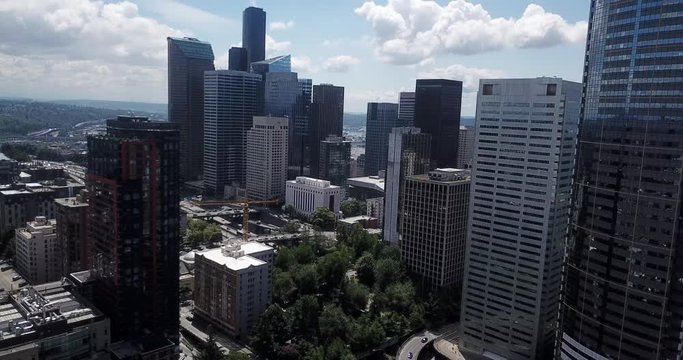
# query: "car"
{"points": [[5, 268], [410, 355], [23, 283], [424, 340], [15, 278]]}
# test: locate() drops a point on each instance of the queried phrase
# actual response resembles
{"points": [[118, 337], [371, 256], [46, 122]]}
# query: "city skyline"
{"points": [[351, 44]]}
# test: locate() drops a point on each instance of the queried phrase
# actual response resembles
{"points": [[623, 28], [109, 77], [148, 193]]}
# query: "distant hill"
{"points": [[152, 108], [19, 117]]}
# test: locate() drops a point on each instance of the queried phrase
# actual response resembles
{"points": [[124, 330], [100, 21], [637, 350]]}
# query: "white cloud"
{"points": [[274, 47], [303, 65], [340, 63], [281, 25], [356, 100], [469, 76], [77, 46], [410, 31]]}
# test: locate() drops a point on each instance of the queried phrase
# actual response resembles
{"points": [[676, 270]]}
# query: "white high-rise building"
{"points": [[465, 147], [307, 194], [267, 146], [519, 211], [38, 253], [408, 154]]}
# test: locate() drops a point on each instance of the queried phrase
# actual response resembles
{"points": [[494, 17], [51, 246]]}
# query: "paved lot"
{"points": [[6, 276]]}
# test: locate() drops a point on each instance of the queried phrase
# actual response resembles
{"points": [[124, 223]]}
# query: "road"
{"points": [[414, 345], [198, 328]]}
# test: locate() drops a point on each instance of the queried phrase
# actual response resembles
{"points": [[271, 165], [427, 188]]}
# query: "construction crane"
{"points": [[245, 209]]}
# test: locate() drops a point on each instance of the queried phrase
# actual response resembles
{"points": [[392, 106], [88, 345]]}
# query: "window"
{"points": [[551, 90], [487, 89]]}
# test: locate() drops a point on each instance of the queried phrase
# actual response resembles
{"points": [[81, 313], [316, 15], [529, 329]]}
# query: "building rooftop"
{"points": [[4, 157], [236, 256], [370, 182], [317, 183], [72, 202], [445, 175], [194, 48]]}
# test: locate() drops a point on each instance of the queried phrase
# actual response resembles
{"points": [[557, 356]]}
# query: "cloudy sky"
{"points": [[116, 50]]}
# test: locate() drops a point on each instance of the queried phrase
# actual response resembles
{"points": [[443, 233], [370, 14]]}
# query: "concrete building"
{"points": [[267, 147], [408, 154], [50, 321], [375, 208], [519, 211], [434, 227], [307, 194], [38, 254], [335, 160], [20, 204], [380, 119], [72, 233], [406, 109], [9, 170], [465, 147], [232, 285], [230, 103]]}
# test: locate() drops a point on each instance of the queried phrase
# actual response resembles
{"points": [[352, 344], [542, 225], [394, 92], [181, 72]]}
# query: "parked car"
{"points": [[16, 277]]}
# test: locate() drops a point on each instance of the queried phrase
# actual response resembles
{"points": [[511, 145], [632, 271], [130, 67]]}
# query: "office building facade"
{"points": [[267, 158], [72, 233], [623, 294], [254, 34], [406, 109], [38, 254], [232, 285], [381, 118], [133, 223], [327, 119], [335, 160], [237, 59], [434, 227], [465, 147], [230, 103], [299, 146], [519, 209], [188, 58], [307, 194], [437, 112], [408, 154]]}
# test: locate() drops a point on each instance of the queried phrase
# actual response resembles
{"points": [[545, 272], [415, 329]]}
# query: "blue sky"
{"points": [[115, 50]]}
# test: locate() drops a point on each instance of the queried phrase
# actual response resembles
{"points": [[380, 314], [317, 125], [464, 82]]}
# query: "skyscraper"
{"points": [[299, 156], [188, 58], [623, 295], [282, 92], [327, 118], [381, 118], [278, 64], [408, 154], [133, 223], [437, 112], [406, 109], [465, 147], [230, 103], [72, 233], [434, 227], [237, 59], [267, 158], [254, 34], [519, 209], [335, 160]]}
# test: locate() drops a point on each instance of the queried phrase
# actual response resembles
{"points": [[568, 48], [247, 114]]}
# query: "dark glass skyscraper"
{"points": [[254, 33], [437, 112], [133, 224], [381, 118], [624, 276], [327, 118], [237, 59], [188, 58]]}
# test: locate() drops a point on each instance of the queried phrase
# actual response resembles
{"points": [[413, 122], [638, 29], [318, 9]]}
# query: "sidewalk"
{"points": [[448, 349]]}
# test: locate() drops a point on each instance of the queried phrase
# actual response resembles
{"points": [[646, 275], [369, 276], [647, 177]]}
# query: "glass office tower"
{"points": [[624, 276], [254, 34]]}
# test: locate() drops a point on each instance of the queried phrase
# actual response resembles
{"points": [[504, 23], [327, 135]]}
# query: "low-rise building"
{"points": [[38, 254], [307, 194], [375, 208], [49, 321], [232, 285]]}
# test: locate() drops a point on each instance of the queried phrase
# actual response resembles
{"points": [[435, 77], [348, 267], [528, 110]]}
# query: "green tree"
{"points": [[355, 297], [366, 333], [365, 269], [306, 279], [235, 355], [285, 259], [324, 219], [416, 319], [212, 234], [337, 350], [305, 312], [387, 271], [332, 322], [400, 296], [304, 253], [353, 207], [333, 266], [272, 330], [284, 287], [292, 227]]}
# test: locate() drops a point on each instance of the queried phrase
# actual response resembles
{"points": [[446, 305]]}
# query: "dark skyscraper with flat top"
{"points": [[381, 118], [237, 59], [133, 224], [624, 274], [327, 119], [254, 34], [188, 58], [437, 112]]}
